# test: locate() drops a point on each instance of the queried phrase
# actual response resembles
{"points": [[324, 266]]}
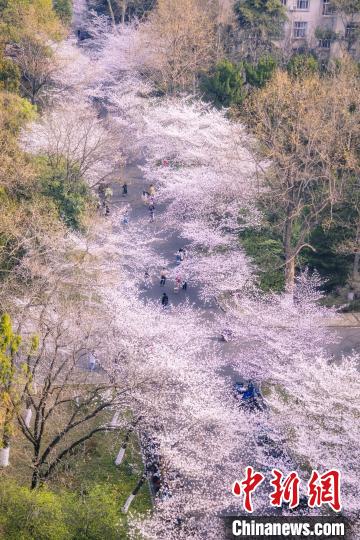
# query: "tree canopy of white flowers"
{"points": [[203, 170], [206, 172], [316, 405]]}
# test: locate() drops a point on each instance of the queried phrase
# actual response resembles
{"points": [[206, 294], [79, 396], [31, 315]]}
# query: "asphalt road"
{"points": [[348, 341]]}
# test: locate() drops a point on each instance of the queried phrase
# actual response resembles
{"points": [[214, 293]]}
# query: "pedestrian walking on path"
{"points": [[101, 190], [145, 197], [125, 188], [178, 257], [107, 210], [126, 218], [184, 285], [162, 277], [182, 254], [147, 279], [108, 193], [92, 361], [152, 211], [151, 190], [177, 283], [164, 300]]}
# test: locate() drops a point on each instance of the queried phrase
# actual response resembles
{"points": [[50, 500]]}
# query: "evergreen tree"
{"points": [[225, 86], [63, 9], [257, 75]]}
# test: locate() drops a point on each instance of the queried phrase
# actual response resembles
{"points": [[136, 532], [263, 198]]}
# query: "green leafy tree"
{"points": [[9, 346], [63, 9], [265, 248], [225, 87], [259, 74], [260, 22], [136, 8], [15, 112], [24, 19], [347, 219], [333, 267], [297, 123], [71, 197], [97, 515], [301, 66], [14, 376], [9, 75]]}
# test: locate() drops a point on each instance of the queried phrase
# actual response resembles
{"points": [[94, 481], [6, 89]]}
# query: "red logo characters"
{"points": [[321, 489], [285, 490], [325, 489], [247, 486]]}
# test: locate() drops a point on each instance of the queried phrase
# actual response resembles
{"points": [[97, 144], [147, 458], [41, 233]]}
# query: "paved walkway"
{"points": [[167, 242], [345, 320], [345, 326]]}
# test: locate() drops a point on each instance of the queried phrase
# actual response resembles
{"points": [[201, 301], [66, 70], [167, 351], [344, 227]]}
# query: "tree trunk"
{"points": [[356, 274], [132, 496], [129, 500], [123, 11], [4, 456], [111, 12], [5, 446], [35, 480], [27, 417], [120, 456], [115, 420], [290, 274], [122, 450], [356, 266], [289, 257]]}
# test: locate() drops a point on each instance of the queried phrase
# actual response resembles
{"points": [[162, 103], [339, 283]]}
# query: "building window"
{"points": [[328, 9], [284, 2], [302, 4], [351, 30], [300, 28], [325, 43]]}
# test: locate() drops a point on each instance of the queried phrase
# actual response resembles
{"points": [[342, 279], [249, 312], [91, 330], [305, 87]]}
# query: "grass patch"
{"points": [[82, 500]]}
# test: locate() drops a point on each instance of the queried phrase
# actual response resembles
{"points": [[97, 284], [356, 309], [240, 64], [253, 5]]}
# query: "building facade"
{"points": [[318, 26]]}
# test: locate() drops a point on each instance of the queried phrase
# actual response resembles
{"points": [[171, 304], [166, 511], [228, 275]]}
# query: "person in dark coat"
{"points": [[163, 277], [164, 300]]}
